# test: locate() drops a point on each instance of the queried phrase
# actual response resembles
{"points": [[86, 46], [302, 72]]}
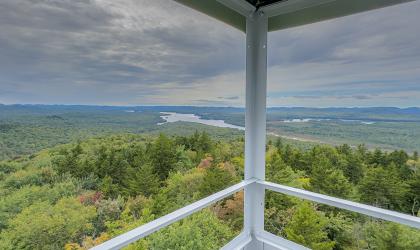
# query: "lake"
{"points": [[170, 117], [321, 120]]}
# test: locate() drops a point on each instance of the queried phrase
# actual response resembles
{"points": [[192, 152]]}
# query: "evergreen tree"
{"points": [[414, 193], [278, 172], [205, 143], [163, 156], [398, 157], [383, 188], [200, 231], [391, 236], [377, 158], [111, 162], [67, 161], [326, 179], [143, 181], [215, 179], [362, 151], [307, 227], [350, 163], [42, 226], [415, 155], [108, 187], [183, 161], [279, 143]]}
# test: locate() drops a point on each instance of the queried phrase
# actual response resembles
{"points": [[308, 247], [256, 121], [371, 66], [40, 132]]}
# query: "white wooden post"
{"points": [[255, 123]]}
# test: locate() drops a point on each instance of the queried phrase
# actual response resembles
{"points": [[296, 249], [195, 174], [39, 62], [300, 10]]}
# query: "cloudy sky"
{"points": [[143, 52]]}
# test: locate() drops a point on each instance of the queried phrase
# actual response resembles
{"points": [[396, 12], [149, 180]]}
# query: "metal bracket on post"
{"points": [[255, 124]]}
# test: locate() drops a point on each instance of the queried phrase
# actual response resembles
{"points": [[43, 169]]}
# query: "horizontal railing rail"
{"points": [[143, 231], [269, 240], [272, 241], [376, 212]]}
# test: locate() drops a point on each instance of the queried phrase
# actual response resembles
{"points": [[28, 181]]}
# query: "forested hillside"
{"points": [[27, 129], [78, 195], [382, 127]]}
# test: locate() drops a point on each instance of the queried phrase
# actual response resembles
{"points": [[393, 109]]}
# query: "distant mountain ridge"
{"points": [[378, 110], [24, 129], [234, 115]]}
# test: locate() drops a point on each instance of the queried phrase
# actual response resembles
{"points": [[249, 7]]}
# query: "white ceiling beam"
{"points": [[280, 8], [241, 6], [218, 11], [285, 14], [292, 13]]}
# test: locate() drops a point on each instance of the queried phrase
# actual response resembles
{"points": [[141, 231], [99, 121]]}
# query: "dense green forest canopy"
{"points": [[383, 127], [27, 129], [77, 195]]}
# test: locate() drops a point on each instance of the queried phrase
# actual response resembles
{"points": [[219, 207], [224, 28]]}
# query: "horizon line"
{"points": [[199, 106]]}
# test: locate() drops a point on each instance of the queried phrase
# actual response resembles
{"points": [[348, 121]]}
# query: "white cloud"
{"points": [[159, 52]]}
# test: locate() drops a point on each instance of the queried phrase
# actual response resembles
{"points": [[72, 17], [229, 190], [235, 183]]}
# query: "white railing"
{"points": [[267, 238], [345, 204], [143, 231]]}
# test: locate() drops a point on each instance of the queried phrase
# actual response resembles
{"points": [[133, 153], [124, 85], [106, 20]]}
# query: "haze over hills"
{"points": [[25, 129], [292, 111]]}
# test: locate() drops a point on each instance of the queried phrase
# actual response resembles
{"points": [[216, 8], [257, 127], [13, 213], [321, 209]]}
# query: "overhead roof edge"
{"points": [[285, 14], [325, 10], [218, 11]]}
